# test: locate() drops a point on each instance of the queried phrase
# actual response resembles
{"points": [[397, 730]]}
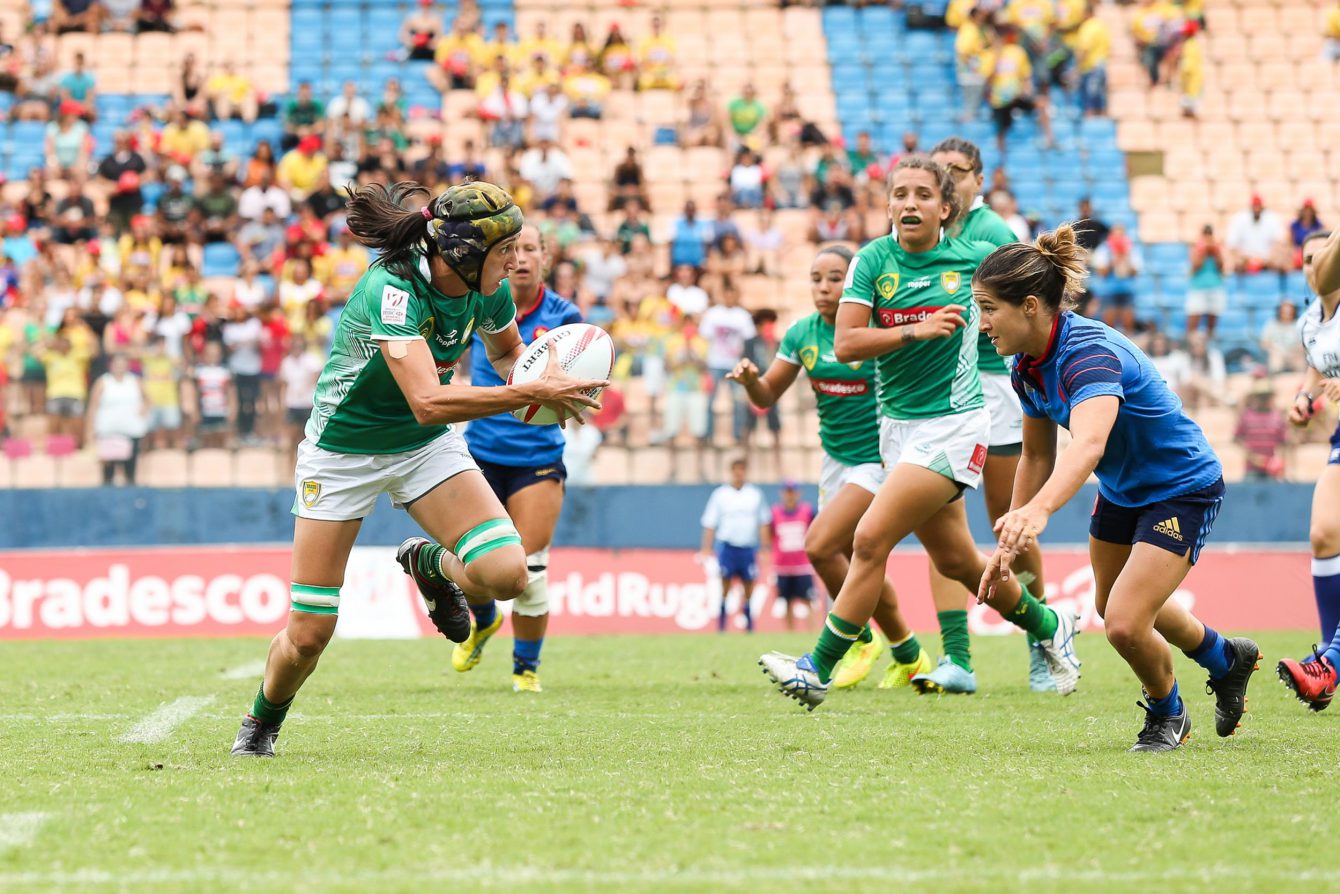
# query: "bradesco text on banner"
{"points": [[221, 591]]}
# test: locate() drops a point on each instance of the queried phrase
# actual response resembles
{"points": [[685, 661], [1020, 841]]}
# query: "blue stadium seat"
{"points": [[221, 259]]}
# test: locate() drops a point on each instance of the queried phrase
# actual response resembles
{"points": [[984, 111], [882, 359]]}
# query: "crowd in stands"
{"points": [[111, 333]]}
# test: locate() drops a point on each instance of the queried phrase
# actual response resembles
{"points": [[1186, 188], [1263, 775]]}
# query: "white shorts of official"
{"points": [[1200, 302], [345, 486], [833, 476], [954, 446], [1002, 405]]}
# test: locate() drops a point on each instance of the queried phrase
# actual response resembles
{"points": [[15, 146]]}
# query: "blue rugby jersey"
{"points": [[1154, 451], [504, 439]]}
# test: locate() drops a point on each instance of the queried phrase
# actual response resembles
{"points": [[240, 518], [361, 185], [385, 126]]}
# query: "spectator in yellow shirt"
{"points": [[586, 90], [183, 137], [67, 386], [456, 59], [656, 59], [970, 58], [1150, 21], [958, 12], [301, 166], [1093, 45], [343, 264], [1331, 49], [534, 79], [503, 45], [551, 48], [1034, 19], [1010, 86], [1191, 70], [580, 53], [231, 94]]}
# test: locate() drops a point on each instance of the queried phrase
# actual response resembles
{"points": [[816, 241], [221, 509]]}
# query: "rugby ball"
{"points": [[584, 352]]}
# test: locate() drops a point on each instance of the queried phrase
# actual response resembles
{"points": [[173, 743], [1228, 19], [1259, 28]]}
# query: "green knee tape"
{"points": [[485, 538]]}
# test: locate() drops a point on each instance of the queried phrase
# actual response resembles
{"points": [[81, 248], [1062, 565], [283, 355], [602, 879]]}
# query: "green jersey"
{"points": [[844, 392], [358, 407], [981, 224], [938, 376]]}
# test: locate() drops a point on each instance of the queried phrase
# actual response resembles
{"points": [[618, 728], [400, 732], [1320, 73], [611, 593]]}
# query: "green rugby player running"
{"points": [[384, 421], [933, 426], [978, 223], [851, 472]]}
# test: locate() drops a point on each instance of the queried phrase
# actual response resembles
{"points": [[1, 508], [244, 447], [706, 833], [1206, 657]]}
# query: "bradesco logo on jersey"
{"points": [[837, 388], [903, 316]]}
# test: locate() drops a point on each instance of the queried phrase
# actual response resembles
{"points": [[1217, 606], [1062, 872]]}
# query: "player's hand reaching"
{"points": [[1301, 410], [1016, 531], [1330, 389], [941, 324], [560, 392], [745, 372]]}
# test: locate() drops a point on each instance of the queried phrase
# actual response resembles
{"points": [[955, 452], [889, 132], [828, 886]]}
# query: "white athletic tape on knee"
{"points": [[315, 600], [534, 600]]}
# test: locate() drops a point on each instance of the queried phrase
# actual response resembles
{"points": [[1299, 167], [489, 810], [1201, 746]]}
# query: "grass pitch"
{"points": [[649, 764]]}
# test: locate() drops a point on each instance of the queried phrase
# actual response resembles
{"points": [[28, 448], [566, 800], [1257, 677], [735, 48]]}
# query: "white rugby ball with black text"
{"points": [[584, 352]]}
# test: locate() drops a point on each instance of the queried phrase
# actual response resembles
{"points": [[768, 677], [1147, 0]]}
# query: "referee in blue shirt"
{"points": [[1160, 484]]}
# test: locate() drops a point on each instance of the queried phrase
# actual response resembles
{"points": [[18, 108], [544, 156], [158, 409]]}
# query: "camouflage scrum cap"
{"points": [[467, 221]]}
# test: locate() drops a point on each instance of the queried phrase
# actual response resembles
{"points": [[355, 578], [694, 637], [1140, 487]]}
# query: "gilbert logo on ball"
{"points": [[584, 351]]}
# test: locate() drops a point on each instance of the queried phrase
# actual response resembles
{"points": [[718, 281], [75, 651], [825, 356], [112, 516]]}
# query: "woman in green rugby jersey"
{"points": [[384, 421], [900, 306], [851, 472]]}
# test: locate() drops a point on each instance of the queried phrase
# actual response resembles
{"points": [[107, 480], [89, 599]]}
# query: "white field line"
{"points": [[17, 829], [160, 724], [244, 671], [668, 877]]}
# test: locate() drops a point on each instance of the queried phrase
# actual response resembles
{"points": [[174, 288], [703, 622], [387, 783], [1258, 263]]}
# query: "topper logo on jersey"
{"points": [[454, 337], [919, 283], [902, 316]]}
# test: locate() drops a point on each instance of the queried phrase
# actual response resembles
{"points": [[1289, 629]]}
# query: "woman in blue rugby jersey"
{"points": [[1160, 484], [523, 464]]}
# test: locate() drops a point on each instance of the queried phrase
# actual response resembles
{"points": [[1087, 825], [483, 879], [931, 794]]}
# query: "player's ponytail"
{"points": [[379, 219], [1053, 268]]}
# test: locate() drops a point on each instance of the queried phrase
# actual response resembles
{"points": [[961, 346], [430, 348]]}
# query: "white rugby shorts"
{"points": [[954, 446], [345, 486], [834, 475]]}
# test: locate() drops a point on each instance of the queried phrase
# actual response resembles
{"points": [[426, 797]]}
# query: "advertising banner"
{"points": [[223, 591]]}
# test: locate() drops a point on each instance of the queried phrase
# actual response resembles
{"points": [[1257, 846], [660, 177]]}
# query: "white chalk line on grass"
{"points": [[160, 724], [245, 671], [17, 829], [521, 875]]}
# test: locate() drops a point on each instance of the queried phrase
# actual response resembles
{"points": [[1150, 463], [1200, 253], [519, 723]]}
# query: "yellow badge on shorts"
{"points": [[887, 285], [950, 281], [311, 492], [809, 355]]}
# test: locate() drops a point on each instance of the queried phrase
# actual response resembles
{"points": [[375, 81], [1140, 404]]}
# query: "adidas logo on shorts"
{"points": [[1170, 528]]}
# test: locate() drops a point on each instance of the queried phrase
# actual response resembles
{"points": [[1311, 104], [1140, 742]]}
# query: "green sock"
{"points": [[907, 651], [866, 635], [954, 637], [267, 711], [1032, 616], [834, 641], [429, 562]]}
